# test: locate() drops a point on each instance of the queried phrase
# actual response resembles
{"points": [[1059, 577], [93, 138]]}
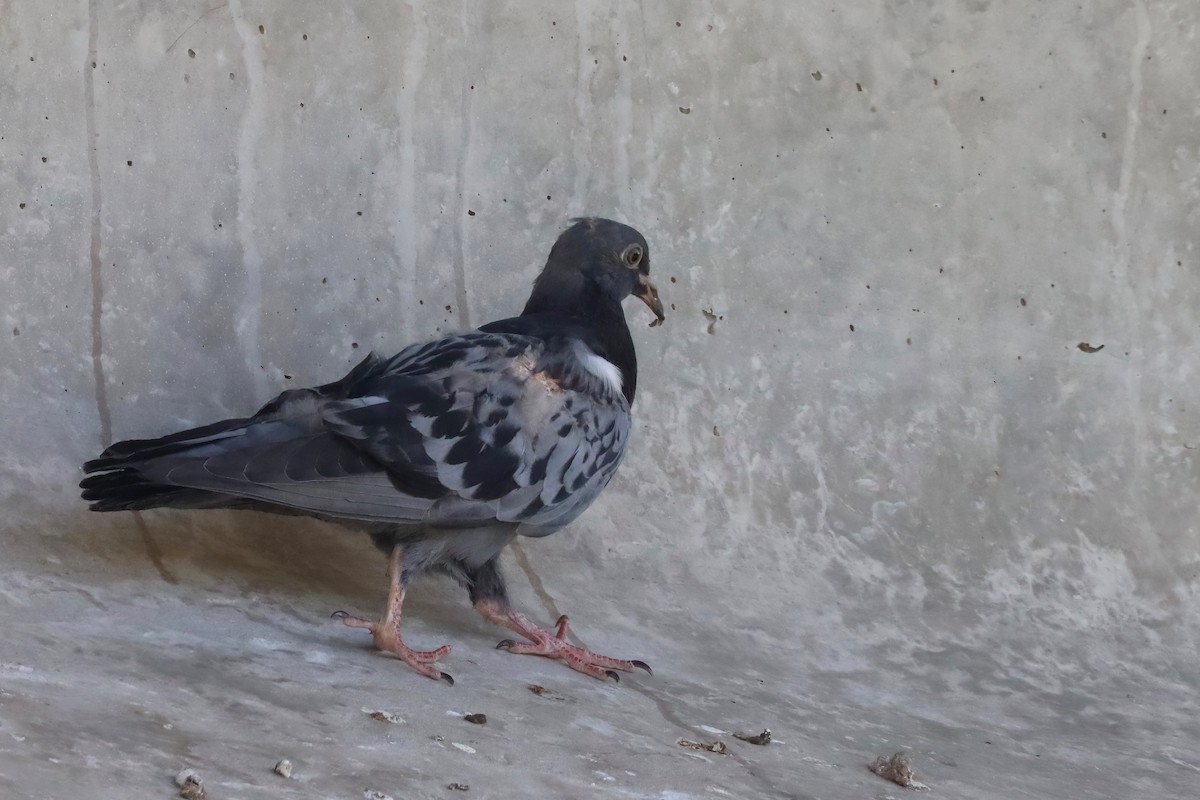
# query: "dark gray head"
{"points": [[594, 261]]}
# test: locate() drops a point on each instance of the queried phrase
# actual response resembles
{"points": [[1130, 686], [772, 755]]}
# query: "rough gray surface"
{"points": [[878, 499]]}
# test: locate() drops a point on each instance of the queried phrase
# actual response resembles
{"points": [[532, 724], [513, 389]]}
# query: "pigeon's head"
{"points": [[595, 260]]}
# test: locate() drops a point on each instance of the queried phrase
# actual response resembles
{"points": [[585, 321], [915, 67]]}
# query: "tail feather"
{"points": [[115, 481], [138, 450], [126, 490]]}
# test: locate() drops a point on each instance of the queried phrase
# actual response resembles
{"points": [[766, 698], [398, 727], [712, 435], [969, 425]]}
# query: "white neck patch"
{"points": [[602, 368]]}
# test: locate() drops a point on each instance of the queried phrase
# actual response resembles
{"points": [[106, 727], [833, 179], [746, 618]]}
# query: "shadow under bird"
{"points": [[443, 453]]}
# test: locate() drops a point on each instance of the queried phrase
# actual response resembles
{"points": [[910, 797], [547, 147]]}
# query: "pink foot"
{"points": [[554, 645], [387, 639]]}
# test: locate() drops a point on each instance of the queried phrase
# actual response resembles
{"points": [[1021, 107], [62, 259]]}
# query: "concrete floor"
{"points": [[881, 497]]}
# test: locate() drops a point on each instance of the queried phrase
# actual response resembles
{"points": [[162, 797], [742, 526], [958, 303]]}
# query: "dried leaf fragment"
{"points": [[476, 719], [190, 785], [897, 770], [1087, 348], [756, 738], [718, 747]]}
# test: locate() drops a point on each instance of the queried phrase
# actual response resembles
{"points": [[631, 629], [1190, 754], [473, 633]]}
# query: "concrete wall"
{"points": [[878, 499]]}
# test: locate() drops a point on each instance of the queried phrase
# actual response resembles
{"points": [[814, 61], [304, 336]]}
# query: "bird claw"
{"points": [[552, 645], [447, 678]]}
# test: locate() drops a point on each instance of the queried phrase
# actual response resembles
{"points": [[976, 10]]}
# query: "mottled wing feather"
{"points": [[511, 427]]}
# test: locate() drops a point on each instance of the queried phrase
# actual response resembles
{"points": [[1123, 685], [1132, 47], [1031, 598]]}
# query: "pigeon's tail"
{"points": [[117, 480], [127, 490]]}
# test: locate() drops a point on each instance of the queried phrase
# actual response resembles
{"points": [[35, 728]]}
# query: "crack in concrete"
{"points": [[98, 376], [539, 588], [152, 549], [194, 24], [464, 155], [89, 90], [246, 325], [581, 135], [405, 230], [1133, 118], [669, 716], [1124, 247], [622, 116]]}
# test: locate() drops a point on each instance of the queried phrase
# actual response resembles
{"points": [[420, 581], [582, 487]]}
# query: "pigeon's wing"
{"points": [[459, 432], [507, 427]]}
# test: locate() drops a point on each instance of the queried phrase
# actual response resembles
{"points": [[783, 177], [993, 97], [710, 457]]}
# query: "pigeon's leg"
{"points": [[491, 600], [386, 631]]}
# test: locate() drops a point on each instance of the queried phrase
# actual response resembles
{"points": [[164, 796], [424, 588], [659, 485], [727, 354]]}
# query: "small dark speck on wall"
{"points": [[858, 86], [129, 163], [191, 53], [287, 377], [16, 331], [852, 329], [43, 159], [22, 205], [305, 37], [354, 345], [1022, 301], [470, 213], [359, 213], [261, 29]]}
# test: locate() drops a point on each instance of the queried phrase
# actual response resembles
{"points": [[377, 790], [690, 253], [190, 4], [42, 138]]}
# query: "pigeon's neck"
{"points": [[595, 319], [615, 344]]}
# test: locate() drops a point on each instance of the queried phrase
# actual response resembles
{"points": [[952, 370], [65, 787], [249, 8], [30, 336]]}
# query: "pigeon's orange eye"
{"points": [[633, 256]]}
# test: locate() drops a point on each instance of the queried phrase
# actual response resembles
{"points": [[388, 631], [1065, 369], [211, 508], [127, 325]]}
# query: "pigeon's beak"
{"points": [[647, 292]]}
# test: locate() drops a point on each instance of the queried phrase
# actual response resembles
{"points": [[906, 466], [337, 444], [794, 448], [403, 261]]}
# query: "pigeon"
{"points": [[443, 453]]}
